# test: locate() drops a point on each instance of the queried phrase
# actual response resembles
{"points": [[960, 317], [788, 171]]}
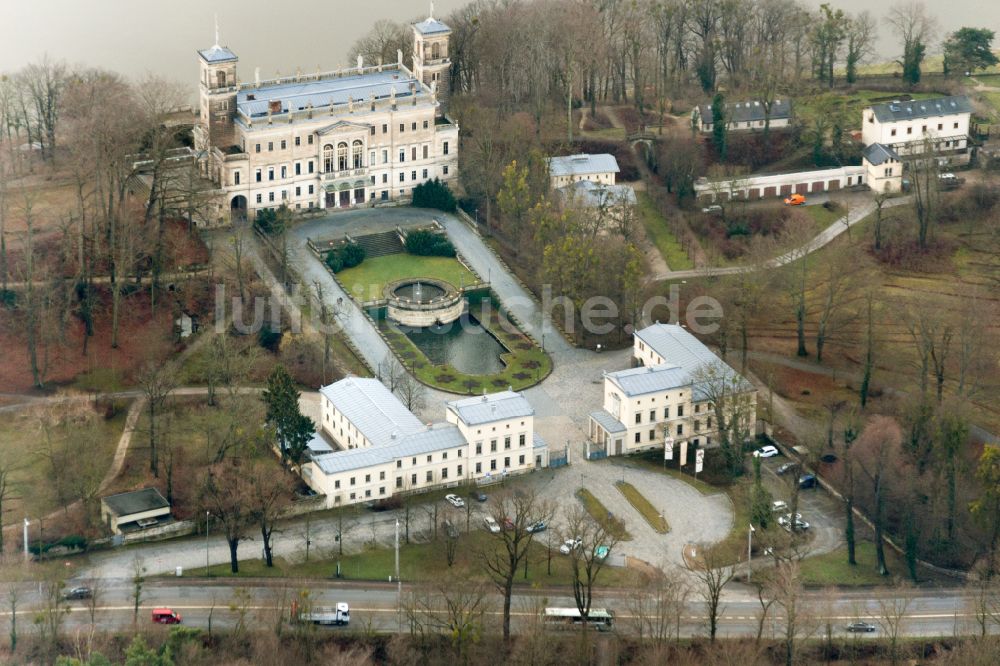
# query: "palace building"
{"points": [[337, 139]]}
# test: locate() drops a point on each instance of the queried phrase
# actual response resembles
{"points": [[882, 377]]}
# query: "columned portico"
{"points": [[344, 176]]}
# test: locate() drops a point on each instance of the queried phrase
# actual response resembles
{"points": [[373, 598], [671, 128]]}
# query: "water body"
{"points": [[464, 344], [161, 37]]}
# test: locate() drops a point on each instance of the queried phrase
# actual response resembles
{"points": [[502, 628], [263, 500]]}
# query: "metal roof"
{"points": [[577, 165], [431, 26], [438, 437], [372, 409], [751, 111], [650, 379], [878, 153], [608, 422], [676, 345], [217, 54], [595, 195], [254, 102], [921, 108], [136, 501], [537, 442], [491, 407], [318, 445]]}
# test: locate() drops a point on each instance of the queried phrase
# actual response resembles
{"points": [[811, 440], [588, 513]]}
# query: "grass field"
{"points": [[37, 444], [661, 236], [602, 516], [849, 104], [366, 282], [643, 506], [832, 568], [824, 216], [427, 562]]}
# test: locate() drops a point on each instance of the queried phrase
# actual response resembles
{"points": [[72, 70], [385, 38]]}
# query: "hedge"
{"points": [[425, 243]]}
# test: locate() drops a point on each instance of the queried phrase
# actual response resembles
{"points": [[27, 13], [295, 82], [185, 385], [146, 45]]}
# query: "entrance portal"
{"points": [[238, 208], [345, 199], [331, 199]]}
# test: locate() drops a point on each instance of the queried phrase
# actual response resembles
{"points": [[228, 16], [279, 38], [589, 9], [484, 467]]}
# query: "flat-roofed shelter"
{"points": [[133, 510]]}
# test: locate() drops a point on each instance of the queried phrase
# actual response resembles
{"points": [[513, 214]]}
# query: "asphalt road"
{"points": [[943, 612]]}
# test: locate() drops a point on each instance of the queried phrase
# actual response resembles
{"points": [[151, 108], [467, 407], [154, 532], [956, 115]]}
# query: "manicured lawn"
{"points": [[428, 562], [661, 236], [643, 506], [833, 569], [601, 515], [70, 446], [525, 364], [366, 282]]}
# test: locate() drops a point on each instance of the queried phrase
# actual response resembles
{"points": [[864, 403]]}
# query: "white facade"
{"points": [[329, 140], [385, 450], [661, 397], [601, 169], [907, 126], [780, 184]]}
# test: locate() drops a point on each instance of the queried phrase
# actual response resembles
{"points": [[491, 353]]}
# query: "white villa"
{"points": [[380, 448], [328, 140], [665, 395], [601, 169], [906, 126]]}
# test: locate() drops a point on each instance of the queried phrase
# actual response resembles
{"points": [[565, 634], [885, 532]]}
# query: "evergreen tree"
{"points": [[719, 129], [292, 430]]}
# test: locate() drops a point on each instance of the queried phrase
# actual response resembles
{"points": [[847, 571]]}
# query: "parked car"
{"points": [[712, 209], [492, 525], [779, 506], [949, 181], [784, 519], [538, 526], [166, 616], [508, 524], [787, 467], [455, 501], [800, 525], [795, 200], [807, 481], [861, 627], [450, 529], [478, 495], [78, 593], [768, 451], [601, 552], [569, 545]]}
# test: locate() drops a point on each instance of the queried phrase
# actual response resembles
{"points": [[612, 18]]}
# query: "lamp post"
{"points": [[399, 585], [26, 552], [749, 550], [208, 571]]}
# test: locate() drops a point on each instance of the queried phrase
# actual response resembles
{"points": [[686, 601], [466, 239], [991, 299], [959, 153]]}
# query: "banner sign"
{"points": [[699, 460]]}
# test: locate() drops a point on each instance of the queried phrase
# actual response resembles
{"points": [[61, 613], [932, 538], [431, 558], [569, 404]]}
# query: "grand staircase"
{"points": [[381, 244]]}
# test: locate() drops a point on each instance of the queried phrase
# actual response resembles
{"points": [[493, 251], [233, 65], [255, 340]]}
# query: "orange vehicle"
{"points": [[166, 616], [795, 200]]}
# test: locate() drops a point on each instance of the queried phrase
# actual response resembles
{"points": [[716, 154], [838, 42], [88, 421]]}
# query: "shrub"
{"points": [[425, 243], [348, 256], [434, 194], [269, 338]]}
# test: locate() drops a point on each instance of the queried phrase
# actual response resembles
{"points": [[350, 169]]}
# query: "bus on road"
{"points": [[601, 619]]}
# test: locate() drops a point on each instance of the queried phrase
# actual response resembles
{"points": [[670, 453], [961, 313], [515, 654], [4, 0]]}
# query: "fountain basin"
{"points": [[423, 302]]}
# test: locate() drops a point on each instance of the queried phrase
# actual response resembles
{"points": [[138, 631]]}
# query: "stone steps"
{"points": [[380, 244]]}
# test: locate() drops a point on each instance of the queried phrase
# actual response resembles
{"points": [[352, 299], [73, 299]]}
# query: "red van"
{"points": [[166, 616]]}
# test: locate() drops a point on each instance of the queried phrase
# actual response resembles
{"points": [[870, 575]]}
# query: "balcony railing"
{"points": [[346, 173]]}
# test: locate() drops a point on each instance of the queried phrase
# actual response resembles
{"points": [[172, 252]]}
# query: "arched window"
{"points": [[328, 158], [356, 153], [341, 156]]}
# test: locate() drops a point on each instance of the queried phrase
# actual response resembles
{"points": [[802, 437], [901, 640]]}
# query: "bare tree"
{"points": [[270, 494], [878, 456], [711, 576], [504, 553], [658, 604], [891, 617], [156, 381], [915, 29], [586, 560], [45, 82], [225, 494], [411, 392]]}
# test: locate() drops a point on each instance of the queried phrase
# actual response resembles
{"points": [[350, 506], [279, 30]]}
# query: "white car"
{"points": [[711, 209], [570, 545], [455, 501], [492, 525], [779, 506], [766, 452]]}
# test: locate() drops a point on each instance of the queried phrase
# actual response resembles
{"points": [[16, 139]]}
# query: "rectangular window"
{"points": [[311, 189], [425, 174], [373, 131], [336, 484], [298, 168], [680, 411], [402, 155], [680, 428], [385, 128], [283, 144], [493, 446], [399, 464], [402, 127], [652, 415], [638, 418], [893, 132], [506, 442], [284, 195], [520, 460], [298, 141], [385, 178], [270, 173], [414, 127], [479, 468], [413, 175], [413, 479], [445, 169], [909, 130], [352, 481], [479, 448], [425, 151], [354, 496], [399, 482], [284, 172], [310, 169], [413, 153], [429, 458], [666, 412], [236, 178], [444, 455], [381, 490], [270, 196], [402, 178], [385, 157], [310, 140], [257, 175], [459, 471], [298, 191], [697, 426], [371, 158], [444, 473], [493, 464], [430, 476], [506, 462], [258, 198], [368, 478], [522, 439], [445, 148], [270, 146], [652, 435], [638, 437], [256, 147], [425, 124]]}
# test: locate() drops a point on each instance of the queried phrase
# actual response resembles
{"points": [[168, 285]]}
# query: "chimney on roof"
{"points": [[393, 435], [361, 63], [399, 57], [256, 76]]}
